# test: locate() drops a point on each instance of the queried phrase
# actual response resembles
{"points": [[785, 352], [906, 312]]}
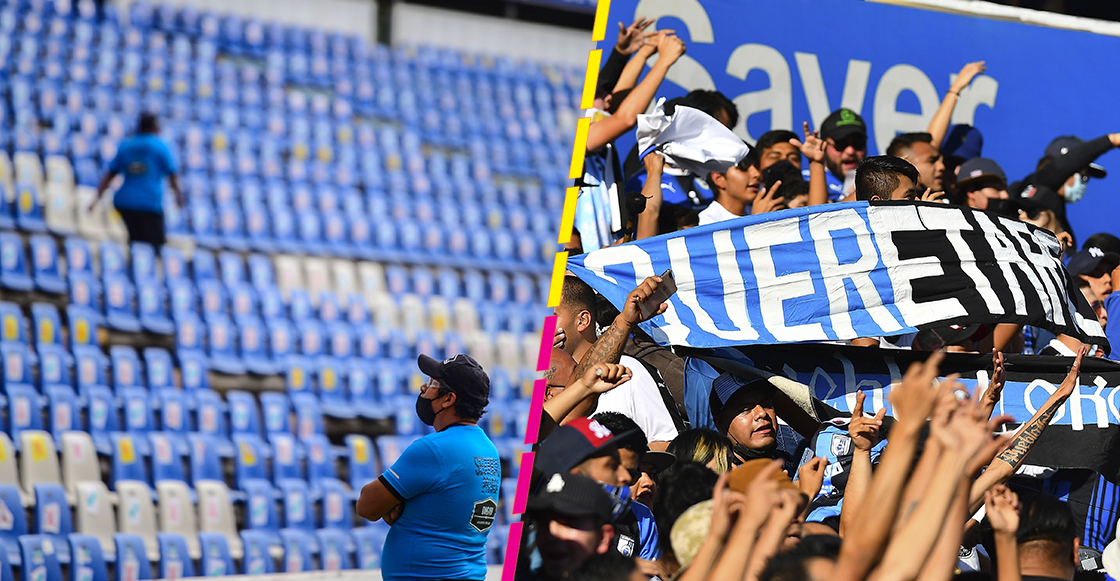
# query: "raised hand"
{"points": [[863, 430], [762, 494], [810, 477], [1002, 508], [632, 310], [633, 37], [604, 377], [654, 162], [968, 72], [913, 398], [767, 200], [813, 146], [1066, 388], [670, 48]]}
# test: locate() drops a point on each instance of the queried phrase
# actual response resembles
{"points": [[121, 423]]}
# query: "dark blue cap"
{"points": [[962, 141]]}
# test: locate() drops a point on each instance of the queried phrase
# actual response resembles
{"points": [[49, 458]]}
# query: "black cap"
{"points": [[979, 168], [1091, 259], [727, 385], [461, 374], [842, 123], [571, 495], [658, 459], [1037, 197], [1061, 145], [937, 338]]}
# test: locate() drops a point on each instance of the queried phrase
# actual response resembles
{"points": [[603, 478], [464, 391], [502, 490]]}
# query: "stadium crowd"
{"points": [[627, 482]]}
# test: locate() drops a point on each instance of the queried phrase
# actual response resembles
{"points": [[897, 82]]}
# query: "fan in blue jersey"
{"points": [[441, 496]]}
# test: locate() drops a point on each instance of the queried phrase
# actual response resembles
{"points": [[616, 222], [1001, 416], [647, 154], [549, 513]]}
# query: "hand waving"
{"points": [[813, 146], [968, 72]]}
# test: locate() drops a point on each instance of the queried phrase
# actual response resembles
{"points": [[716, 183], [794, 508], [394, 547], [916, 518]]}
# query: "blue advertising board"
{"points": [[786, 62]]}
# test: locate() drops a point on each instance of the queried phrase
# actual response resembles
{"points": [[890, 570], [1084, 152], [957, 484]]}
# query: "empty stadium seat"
{"points": [[15, 520], [216, 555], [38, 462], [215, 513], [41, 550], [79, 461], [297, 551], [177, 513], [45, 265], [127, 462], [94, 515], [334, 554], [257, 560], [132, 558], [174, 559], [53, 518], [14, 271], [369, 540], [88, 559]]}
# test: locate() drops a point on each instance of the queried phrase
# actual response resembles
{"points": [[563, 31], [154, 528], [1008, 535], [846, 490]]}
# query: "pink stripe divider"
{"points": [[536, 408], [524, 475], [513, 547], [545, 353]]}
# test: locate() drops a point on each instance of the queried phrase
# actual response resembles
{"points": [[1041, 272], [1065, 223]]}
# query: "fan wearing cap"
{"points": [[981, 184], [744, 412], [1109, 243], [1095, 266], [570, 516], [441, 496], [845, 137]]}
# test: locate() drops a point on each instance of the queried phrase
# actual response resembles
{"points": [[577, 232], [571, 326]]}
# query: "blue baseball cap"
{"points": [[963, 141]]}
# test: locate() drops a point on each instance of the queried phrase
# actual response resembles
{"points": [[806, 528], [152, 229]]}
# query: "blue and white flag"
{"points": [[844, 271]]}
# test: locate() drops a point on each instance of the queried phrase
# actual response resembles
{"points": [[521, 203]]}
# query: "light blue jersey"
{"points": [[449, 484]]}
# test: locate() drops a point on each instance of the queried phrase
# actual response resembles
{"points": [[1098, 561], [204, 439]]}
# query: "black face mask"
{"points": [[424, 410], [1003, 207]]}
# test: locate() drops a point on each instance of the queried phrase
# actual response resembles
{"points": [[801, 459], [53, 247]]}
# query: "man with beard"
{"points": [[845, 137]]}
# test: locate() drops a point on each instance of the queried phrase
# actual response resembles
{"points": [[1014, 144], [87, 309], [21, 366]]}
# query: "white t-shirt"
{"points": [[640, 400], [715, 213]]}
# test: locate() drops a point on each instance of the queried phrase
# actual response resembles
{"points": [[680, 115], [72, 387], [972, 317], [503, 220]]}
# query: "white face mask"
{"points": [[1075, 192]]}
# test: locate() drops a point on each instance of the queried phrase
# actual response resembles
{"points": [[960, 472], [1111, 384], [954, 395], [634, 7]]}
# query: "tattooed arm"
{"points": [[608, 347], [1007, 462]]}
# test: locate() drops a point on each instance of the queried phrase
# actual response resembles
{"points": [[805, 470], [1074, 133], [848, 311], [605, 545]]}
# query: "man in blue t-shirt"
{"points": [[441, 496], [144, 160]]}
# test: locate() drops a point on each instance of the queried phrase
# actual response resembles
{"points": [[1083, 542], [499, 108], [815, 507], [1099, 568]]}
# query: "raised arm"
{"points": [[1055, 173], [912, 401], [939, 125], [864, 432], [1007, 462], [596, 380], [636, 65], [648, 219], [669, 49], [813, 150]]}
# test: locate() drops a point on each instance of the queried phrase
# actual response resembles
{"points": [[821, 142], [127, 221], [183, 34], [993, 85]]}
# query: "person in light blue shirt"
{"points": [[440, 497], [144, 160]]}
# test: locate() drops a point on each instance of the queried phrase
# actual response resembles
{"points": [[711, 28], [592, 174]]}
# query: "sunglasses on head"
{"points": [[857, 142]]}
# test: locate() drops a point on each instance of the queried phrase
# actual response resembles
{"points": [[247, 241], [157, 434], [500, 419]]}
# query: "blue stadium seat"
{"points": [[258, 228], [167, 456], [332, 391], [231, 227], [127, 461], [333, 551], [54, 367], [174, 559], [120, 307], [193, 371], [244, 417], [159, 367], [89, 366], [203, 224], [24, 410], [298, 550], [216, 560], [7, 210], [341, 340], [174, 264], [275, 411], [212, 295], [127, 371], [257, 560], [16, 517], [17, 365], [36, 549], [280, 341], [250, 460], [363, 466], [52, 518], [298, 376], [102, 415], [205, 461], [150, 304], [13, 323], [29, 208], [44, 263], [299, 305], [369, 541], [143, 262], [356, 311], [335, 505], [112, 259], [298, 509], [271, 304], [211, 420], [243, 300], [222, 346], [287, 458], [231, 267], [14, 271], [260, 272], [182, 298], [174, 410], [254, 351], [132, 558], [260, 508], [330, 310], [87, 559], [84, 291], [138, 417], [368, 341], [320, 460], [359, 385], [203, 266]]}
